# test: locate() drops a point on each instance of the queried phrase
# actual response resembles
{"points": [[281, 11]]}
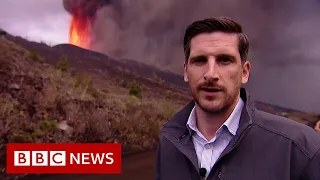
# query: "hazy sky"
{"points": [[35, 19]]}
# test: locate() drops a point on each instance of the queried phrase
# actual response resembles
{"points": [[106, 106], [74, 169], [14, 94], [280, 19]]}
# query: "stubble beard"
{"points": [[218, 105]]}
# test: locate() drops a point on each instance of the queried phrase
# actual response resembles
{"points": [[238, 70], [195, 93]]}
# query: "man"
{"points": [[221, 135]]}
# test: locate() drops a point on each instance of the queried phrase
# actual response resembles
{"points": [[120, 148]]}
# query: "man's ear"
{"points": [[246, 67], [186, 79]]}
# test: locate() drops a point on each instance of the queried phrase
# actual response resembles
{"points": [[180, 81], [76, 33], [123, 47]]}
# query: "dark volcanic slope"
{"points": [[83, 59], [264, 107]]}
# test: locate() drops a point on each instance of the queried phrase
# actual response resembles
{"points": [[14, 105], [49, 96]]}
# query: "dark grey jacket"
{"points": [[266, 147]]}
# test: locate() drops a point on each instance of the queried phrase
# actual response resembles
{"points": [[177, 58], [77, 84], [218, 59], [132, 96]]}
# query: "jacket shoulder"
{"points": [[304, 137]]}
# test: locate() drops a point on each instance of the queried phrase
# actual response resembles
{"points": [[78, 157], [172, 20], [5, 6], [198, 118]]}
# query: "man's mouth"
{"points": [[208, 89]]}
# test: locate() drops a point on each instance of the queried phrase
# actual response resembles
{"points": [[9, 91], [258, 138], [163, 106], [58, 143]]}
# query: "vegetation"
{"points": [[63, 64], [135, 90], [157, 78], [33, 55], [39, 103]]}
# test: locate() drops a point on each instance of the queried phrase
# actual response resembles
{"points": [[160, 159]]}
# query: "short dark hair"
{"points": [[222, 24]]}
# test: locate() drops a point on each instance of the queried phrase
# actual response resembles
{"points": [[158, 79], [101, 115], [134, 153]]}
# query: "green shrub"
{"points": [[38, 133], [135, 90], [133, 100], [34, 56], [63, 64], [48, 124], [169, 93], [21, 137]]}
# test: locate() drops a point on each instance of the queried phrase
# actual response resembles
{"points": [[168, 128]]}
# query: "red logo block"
{"points": [[64, 158]]}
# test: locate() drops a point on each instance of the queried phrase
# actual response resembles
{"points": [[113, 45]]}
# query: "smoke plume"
{"points": [[84, 7], [284, 45]]}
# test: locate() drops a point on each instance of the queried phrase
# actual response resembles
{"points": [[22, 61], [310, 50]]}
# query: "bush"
{"points": [[169, 94], [63, 64], [35, 57], [135, 90]]}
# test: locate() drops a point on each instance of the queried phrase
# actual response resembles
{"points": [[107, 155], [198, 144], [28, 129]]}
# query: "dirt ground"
{"points": [[135, 167]]}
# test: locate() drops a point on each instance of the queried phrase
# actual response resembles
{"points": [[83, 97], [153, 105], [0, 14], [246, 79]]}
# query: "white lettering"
{"points": [[97, 156], [22, 158], [91, 158], [39, 158], [110, 158], [57, 158], [85, 158], [77, 159]]}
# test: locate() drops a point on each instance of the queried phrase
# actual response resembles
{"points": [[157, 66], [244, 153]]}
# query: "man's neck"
{"points": [[208, 123]]}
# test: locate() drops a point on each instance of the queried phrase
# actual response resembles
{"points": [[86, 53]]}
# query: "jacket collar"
{"points": [[231, 123], [176, 131]]}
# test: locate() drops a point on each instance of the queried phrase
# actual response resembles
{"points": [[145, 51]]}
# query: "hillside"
{"points": [[40, 102], [82, 59]]}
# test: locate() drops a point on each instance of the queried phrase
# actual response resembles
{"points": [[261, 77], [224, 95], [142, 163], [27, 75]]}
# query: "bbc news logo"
{"points": [[58, 158], [39, 158], [64, 158]]}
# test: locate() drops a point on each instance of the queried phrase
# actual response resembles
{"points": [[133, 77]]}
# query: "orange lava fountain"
{"points": [[79, 31]]}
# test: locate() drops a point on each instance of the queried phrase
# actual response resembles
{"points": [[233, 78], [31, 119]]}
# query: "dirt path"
{"points": [[136, 167]]}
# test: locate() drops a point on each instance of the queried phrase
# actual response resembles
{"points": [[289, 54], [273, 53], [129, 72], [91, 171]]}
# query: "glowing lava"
{"points": [[79, 31]]}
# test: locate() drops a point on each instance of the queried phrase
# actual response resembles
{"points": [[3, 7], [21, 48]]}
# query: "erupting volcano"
{"points": [[79, 31], [83, 14]]}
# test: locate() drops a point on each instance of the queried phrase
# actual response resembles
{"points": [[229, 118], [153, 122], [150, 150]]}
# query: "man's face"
{"points": [[214, 70]]}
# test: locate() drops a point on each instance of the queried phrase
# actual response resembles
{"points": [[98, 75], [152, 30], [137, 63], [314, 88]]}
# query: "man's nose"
{"points": [[211, 71]]}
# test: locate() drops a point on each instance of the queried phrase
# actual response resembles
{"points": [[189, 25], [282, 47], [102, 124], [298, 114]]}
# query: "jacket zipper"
{"points": [[238, 141], [235, 145]]}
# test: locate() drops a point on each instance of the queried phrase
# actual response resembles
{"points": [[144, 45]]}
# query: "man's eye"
{"points": [[199, 60], [225, 59]]}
